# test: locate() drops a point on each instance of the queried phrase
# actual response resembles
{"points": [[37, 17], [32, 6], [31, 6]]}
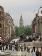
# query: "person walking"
{"points": [[24, 47], [33, 52], [37, 52], [41, 52]]}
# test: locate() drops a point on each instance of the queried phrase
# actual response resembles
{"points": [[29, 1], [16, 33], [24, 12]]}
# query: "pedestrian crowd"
{"points": [[18, 47], [34, 51]]}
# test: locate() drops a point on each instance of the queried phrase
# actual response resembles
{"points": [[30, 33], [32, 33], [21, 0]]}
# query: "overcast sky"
{"points": [[27, 8]]}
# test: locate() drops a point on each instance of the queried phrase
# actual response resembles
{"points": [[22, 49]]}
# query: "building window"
{"points": [[0, 25], [41, 11], [0, 12]]}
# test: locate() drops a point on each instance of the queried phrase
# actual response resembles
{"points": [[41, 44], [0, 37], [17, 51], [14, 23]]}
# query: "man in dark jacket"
{"points": [[37, 52]]}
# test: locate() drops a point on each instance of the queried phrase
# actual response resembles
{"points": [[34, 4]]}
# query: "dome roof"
{"points": [[1, 8]]}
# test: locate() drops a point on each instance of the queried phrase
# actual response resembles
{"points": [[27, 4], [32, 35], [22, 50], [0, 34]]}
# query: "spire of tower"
{"points": [[21, 21]]}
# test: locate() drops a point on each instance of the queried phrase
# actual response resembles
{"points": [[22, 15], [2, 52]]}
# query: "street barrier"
{"points": [[19, 53], [37, 44], [31, 44]]}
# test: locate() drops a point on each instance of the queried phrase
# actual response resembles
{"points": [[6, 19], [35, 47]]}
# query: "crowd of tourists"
{"points": [[34, 51], [18, 47]]}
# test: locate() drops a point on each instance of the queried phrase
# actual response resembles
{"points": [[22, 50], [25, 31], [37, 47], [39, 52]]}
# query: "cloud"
{"points": [[20, 2], [25, 1]]}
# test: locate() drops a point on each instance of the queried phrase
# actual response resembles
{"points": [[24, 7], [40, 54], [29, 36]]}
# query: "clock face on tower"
{"points": [[40, 11]]}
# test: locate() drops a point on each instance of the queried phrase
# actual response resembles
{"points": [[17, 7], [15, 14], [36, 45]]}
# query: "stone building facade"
{"points": [[37, 23], [6, 25]]}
